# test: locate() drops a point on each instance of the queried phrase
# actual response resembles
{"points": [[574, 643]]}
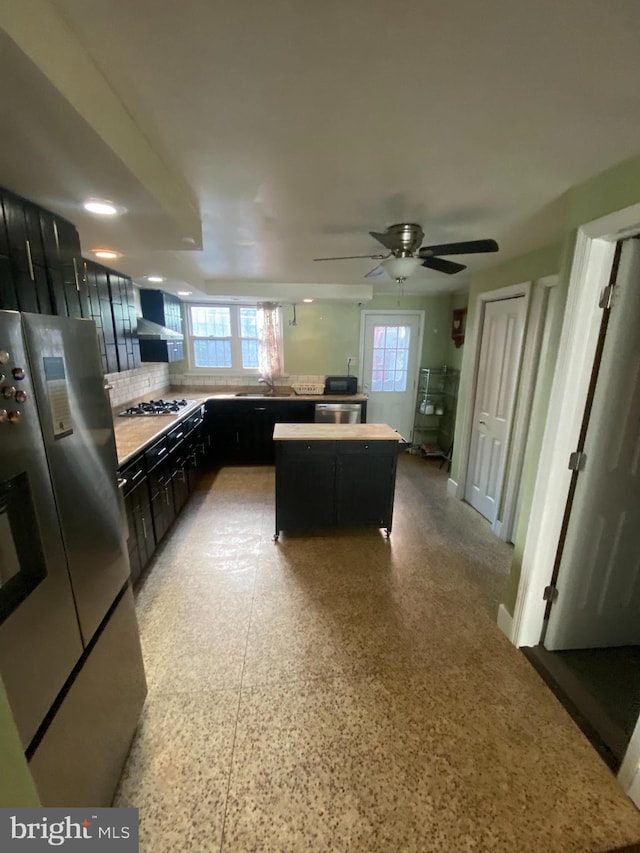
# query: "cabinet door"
{"points": [[152, 305], [8, 295], [25, 290], [50, 240], [146, 537], [305, 485], [4, 242], [72, 268], [34, 234], [58, 295], [41, 283], [135, 563], [365, 483], [179, 481], [16, 231]]}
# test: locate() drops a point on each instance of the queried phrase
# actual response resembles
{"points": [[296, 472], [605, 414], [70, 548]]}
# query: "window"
{"points": [[390, 358], [224, 337]]}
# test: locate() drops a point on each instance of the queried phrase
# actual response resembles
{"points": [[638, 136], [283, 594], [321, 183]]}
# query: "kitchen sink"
{"points": [[262, 394]]}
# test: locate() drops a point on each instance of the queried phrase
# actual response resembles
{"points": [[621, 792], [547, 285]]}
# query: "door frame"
{"points": [[372, 312], [593, 255], [507, 497], [592, 259]]}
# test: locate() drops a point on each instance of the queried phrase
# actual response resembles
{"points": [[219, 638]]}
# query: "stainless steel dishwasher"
{"points": [[338, 413]]}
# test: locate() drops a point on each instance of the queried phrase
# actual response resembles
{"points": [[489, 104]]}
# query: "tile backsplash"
{"points": [[143, 381], [154, 379], [203, 381]]}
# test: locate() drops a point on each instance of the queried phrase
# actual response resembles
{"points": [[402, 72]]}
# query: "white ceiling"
{"points": [[299, 126]]}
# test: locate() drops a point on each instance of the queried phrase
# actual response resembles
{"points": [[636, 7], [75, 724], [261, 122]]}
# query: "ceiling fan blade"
{"points": [[469, 248], [441, 265], [350, 257], [376, 271], [389, 241]]}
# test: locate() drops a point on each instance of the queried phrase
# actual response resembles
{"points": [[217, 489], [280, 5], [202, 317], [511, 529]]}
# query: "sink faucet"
{"points": [[269, 385]]}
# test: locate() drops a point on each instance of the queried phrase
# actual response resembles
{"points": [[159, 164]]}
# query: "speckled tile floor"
{"points": [[341, 692]]}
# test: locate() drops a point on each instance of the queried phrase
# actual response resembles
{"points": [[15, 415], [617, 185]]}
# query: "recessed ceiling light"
{"points": [[107, 254], [185, 292], [307, 300], [155, 278], [102, 207]]}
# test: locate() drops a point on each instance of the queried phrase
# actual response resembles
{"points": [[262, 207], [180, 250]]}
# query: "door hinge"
{"points": [[606, 297], [577, 460], [550, 593]]}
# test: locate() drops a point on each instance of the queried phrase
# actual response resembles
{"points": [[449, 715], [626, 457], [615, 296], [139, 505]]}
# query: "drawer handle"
{"points": [[179, 435], [122, 482], [136, 475], [161, 451]]}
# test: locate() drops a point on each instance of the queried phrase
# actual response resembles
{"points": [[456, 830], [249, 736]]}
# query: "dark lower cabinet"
{"points": [[305, 485], [242, 430], [158, 484], [365, 483], [323, 484], [140, 541]]}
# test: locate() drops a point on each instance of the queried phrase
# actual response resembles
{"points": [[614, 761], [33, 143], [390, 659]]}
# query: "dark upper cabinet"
{"points": [[43, 250], [8, 295], [42, 271], [110, 303], [165, 310]]}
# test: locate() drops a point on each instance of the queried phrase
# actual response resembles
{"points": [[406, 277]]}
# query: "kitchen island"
{"points": [[335, 475]]}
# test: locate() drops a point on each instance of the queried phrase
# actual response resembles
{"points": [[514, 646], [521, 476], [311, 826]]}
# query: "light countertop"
{"points": [[133, 434], [335, 432]]}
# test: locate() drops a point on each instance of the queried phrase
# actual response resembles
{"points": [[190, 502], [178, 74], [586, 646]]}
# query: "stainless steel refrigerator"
{"points": [[70, 654]]}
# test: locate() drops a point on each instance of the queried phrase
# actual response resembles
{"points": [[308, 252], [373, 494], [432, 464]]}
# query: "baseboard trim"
{"points": [[505, 622], [452, 488]]}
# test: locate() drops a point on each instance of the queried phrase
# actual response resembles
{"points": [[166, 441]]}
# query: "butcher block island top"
{"points": [[335, 432]]}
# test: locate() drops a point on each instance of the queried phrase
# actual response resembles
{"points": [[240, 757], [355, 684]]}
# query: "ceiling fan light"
{"points": [[400, 268]]}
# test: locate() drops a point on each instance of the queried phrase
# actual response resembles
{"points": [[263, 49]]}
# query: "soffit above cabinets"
{"points": [[270, 135]]}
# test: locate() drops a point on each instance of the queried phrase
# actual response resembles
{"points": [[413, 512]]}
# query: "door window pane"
{"points": [[390, 358]]}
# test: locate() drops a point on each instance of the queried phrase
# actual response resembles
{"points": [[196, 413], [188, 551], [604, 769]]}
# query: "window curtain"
{"points": [[269, 353]]}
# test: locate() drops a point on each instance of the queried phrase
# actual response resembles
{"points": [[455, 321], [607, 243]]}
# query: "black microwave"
{"points": [[341, 385]]}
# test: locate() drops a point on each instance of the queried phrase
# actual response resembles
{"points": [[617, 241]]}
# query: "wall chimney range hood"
{"points": [[150, 331]]}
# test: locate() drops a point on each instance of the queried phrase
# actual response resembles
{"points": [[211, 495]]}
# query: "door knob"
{"points": [[484, 423]]}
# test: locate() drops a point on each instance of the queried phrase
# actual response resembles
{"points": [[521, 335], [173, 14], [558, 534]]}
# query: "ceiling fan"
{"points": [[405, 255]]}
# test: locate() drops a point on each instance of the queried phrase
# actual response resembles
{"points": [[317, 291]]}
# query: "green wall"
{"points": [[16, 786], [327, 333], [454, 353]]}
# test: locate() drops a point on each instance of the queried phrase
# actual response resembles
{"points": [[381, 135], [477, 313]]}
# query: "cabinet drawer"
{"points": [[155, 454], [134, 474], [370, 447], [305, 448], [176, 436]]}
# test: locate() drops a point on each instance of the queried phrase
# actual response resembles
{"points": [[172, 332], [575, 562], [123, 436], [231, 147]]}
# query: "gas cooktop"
{"points": [[155, 407]]}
